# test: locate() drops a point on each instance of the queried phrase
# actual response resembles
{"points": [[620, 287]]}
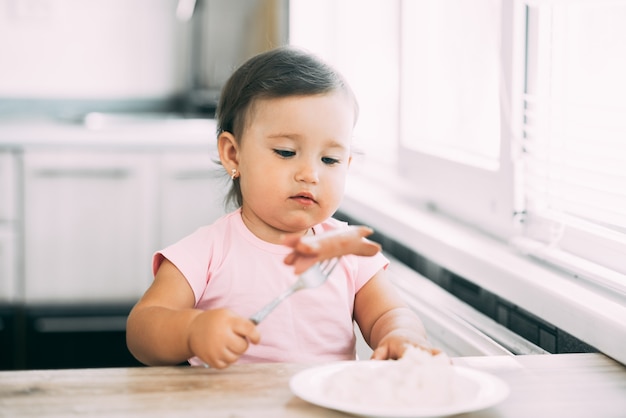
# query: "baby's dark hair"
{"points": [[281, 72]]}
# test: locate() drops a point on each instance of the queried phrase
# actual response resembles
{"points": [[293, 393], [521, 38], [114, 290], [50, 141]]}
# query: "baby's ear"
{"points": [[229, 150]]}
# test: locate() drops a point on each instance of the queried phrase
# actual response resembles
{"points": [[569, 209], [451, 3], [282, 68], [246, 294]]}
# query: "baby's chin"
{"points": [[300, 223]]}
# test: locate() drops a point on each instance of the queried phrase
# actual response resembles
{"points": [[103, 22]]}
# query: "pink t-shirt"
{"points": [[227, 266]]}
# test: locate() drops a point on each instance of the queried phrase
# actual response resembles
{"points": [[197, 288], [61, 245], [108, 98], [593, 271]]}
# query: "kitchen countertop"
{"points": [[559, 385], [96, 131]]}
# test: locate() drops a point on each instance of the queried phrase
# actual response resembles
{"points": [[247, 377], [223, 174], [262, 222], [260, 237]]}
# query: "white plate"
{"points": [[474, 390]]}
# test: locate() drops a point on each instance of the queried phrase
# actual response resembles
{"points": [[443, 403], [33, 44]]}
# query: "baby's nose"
{"points": [[308, 173]]}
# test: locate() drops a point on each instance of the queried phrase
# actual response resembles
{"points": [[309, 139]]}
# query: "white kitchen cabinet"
{"points": [[8, 184], [8, 225], [191, 190], [89, 225], [81, 213], [8, 278]]}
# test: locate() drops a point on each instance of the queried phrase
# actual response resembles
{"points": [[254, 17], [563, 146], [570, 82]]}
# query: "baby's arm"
{"points": [[164, 328], [387, 324], [311, 249]]}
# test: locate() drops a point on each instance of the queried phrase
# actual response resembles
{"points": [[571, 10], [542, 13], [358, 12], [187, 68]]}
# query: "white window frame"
{"points": [[479, 194]]}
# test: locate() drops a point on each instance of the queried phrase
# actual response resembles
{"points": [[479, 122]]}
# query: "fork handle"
{"points": [[260, 315]]}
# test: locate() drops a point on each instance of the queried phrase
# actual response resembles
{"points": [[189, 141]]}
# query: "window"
{"points": [[574, 146], [456, 107], [448, 61], [361, 39], [503, 114]]}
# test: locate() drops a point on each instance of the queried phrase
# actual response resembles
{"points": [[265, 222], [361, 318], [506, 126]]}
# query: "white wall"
{"points": [[102, 49]]}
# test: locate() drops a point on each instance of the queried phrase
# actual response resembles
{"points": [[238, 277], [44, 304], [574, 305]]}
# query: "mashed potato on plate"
{"points": [[417, 379]]}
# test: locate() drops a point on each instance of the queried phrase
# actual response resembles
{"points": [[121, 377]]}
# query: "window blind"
{"points": [[573, 159]]}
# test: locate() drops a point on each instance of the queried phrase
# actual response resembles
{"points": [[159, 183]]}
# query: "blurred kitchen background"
{"points": [[107, 155], [106, 147], [68, 58]]}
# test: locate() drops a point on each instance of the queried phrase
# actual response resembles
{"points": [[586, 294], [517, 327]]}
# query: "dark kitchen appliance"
{"points": [[58, 337]]}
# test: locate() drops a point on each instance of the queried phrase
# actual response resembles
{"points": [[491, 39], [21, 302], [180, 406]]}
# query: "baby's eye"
{"points": [[330, 160], [284, 153]]}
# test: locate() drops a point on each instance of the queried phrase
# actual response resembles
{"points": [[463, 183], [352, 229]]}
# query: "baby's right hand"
{"points": [[219, 337]]}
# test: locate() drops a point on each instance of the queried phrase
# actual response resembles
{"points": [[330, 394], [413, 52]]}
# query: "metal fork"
{"points": [[315, 276]]}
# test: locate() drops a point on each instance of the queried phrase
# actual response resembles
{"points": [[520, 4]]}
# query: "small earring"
{"points": [[233, 173]]}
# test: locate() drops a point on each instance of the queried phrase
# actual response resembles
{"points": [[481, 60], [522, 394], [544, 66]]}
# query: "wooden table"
{"points": [[563, 385]]}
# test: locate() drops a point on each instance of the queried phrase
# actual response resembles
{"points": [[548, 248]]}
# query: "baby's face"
{"points": [[293, 160]]}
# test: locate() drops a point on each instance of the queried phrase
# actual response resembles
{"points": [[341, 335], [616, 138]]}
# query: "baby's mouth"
{"points": [[304, 198]]}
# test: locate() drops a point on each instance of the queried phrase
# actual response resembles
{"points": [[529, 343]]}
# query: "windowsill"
{"points": [[589, 314]]}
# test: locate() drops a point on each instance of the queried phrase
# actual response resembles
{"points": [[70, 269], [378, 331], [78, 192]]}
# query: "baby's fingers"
{"points": [[247, 330], [338, 242], [381, 353]]}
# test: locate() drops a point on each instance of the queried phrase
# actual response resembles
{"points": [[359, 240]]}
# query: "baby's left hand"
{"points": [[309, 250], [392, 347]]}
